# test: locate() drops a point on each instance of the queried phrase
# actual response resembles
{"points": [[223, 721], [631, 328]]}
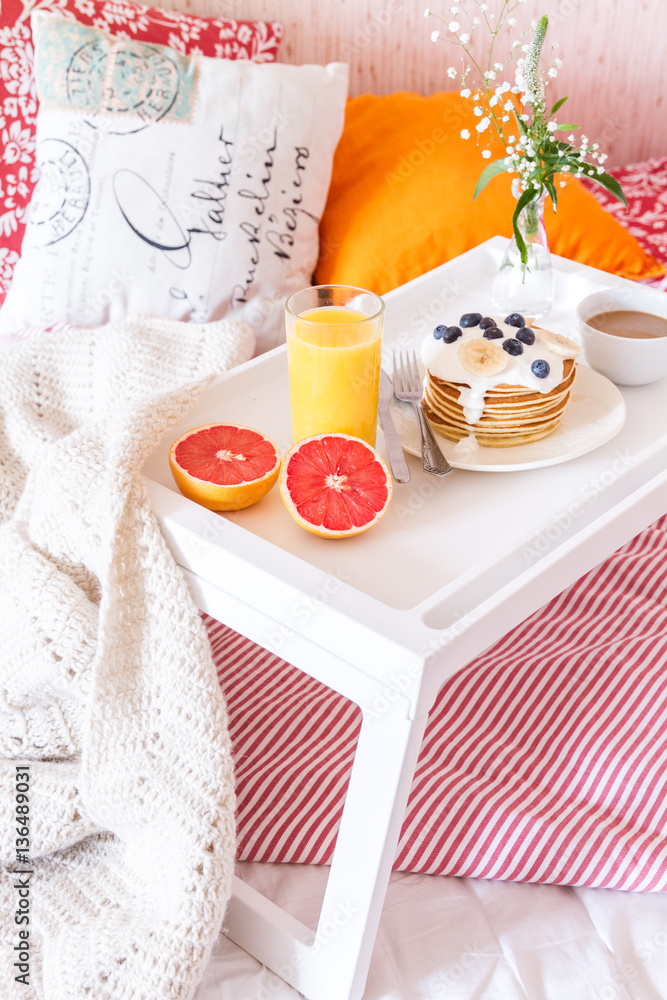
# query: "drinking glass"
{"points": [[334, 342]]}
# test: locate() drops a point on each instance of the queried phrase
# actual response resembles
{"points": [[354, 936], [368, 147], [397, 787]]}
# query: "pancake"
{"points": [[502, 382]]}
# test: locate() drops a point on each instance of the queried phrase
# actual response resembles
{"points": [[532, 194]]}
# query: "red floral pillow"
{"points": [[210, 36]]}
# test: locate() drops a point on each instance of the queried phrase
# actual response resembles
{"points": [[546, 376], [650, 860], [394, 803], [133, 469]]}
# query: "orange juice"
{"points": [[334, 371]]}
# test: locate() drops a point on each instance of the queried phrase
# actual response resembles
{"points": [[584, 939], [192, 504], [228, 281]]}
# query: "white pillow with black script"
{"points": [[185, 187]]}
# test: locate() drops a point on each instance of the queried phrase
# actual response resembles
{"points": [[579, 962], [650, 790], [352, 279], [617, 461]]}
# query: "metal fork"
{"points": [[408, 387]]}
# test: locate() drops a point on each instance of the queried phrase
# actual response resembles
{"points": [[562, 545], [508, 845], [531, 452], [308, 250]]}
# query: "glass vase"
{"points": [[526, 288]]}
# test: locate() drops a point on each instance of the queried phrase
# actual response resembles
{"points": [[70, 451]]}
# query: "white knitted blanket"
{"points": [[107, 688]]}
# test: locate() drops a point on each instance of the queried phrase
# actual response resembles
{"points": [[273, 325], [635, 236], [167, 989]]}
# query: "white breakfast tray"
{"points": [[386, 617], [467, 532]]}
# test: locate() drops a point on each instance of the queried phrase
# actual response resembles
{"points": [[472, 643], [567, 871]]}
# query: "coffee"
{"points": [[629, 323]]}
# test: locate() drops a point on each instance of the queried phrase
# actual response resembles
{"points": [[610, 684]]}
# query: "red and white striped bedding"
{"points": [[544, 761]]}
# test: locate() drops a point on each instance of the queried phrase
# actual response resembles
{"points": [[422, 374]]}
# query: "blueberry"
{"points": [[515, 319], [512, 346], [470, 319], [439, 331], [451, 334], [540, 368], [493, 333], [525, 335], [487, 322]]}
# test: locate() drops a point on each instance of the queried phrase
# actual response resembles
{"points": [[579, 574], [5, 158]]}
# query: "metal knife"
{"points": [[399, 466]]}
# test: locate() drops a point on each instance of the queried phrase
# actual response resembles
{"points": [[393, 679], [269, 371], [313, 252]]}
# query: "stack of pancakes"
{"points": [[512, 415], [502, 382]]}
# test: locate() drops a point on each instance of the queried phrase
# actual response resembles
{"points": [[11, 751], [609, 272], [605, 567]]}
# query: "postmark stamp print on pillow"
{"points": [[211, 36], [119, 84], [61, 200], [181, 186]]}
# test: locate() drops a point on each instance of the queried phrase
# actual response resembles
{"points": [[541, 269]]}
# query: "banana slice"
{"points": [[561, 346], [483, 357]]}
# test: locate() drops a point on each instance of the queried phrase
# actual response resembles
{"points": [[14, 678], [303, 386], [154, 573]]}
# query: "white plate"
{"points": [[594, 414]]}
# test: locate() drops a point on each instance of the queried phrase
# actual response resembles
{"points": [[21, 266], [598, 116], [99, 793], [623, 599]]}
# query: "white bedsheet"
{"points": [[443, 938]]}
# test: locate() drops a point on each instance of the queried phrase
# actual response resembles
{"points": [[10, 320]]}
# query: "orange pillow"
{"points": [[400, 201]]}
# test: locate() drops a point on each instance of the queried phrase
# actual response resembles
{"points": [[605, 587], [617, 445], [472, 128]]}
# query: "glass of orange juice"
{"points": [[334, 342]]}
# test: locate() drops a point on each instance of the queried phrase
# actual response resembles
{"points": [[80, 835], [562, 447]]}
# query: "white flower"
{"points": [[600, 170], [552, 126], [465, 134], [506, 118], [486, 153], [479, 112], [483, 125], [553, 73], [427, 13], [508, 106], [476, 21], [602, 157], [511, 21], [454, 26], [435, 35], [498, 67], [584, 140], [483, 7], [559, 63], [464, 39], [454, 10], [493, 101], [465, 93], [451, 73], [562, 183], [489, 75]]}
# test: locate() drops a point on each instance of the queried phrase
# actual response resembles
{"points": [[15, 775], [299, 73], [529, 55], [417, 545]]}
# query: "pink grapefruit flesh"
{"points": [[335, 485], [224, 466]]}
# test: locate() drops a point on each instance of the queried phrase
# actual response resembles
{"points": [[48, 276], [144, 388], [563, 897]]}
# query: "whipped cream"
{"points": [[442, 360]]}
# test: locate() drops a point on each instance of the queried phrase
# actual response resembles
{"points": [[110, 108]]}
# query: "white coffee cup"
{"points": [[624, 360]]}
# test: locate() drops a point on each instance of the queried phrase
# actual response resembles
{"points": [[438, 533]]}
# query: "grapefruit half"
{"points": [[335, 485], [224, 466]]}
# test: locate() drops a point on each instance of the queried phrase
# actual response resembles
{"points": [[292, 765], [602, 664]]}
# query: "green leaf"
{"points": [[497, 167], [567, 127], [611, 184], [521, 125], [549, 185], [557, 106], [525, 198]]}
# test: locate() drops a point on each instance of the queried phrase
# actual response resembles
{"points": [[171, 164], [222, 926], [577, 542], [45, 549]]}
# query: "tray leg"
{"points": [[332, 963]]}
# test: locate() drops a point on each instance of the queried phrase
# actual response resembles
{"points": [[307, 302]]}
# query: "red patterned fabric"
{"points": [[645, 187], [544, 761], [219, 37]]}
